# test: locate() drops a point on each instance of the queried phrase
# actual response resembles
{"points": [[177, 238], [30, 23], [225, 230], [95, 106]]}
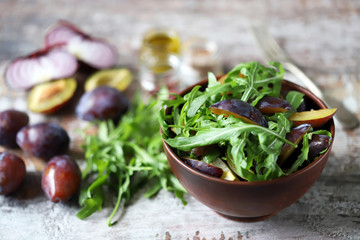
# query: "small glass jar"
{"points": [[159, 59], [200, 56]]}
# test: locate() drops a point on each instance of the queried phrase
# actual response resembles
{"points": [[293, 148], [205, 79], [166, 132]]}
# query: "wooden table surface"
{"points": [[323, 36]]}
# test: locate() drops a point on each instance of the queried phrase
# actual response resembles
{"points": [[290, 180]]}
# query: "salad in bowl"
{"points": [[245, 125]]}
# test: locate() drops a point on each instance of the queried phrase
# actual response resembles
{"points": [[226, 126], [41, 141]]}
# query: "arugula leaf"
{"points": [[252, 81], [212, 81], [197, 102], [211, 155], [210, 136], [126, 156], [295, 99], [303, 155]]}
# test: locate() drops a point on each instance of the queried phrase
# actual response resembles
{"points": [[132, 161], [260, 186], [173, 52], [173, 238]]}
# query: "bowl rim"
{"points": [[313, 164]]}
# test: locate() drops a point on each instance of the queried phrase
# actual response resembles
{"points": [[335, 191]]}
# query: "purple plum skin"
{"points": [[11, 121], [204, 167], [61, 178], [239, 109], [12, 172], [102, 103], [43, 140]]}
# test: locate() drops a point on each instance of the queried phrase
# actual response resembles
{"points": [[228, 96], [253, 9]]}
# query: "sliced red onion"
{"points": [[95, 52], [61, 35], [41, 66]]}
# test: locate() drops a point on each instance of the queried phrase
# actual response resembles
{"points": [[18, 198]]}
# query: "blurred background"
{"points": [[321, 35]]}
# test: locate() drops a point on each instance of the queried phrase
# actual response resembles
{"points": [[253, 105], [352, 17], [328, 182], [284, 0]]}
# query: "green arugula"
{"points": [[251, 150], [125, 157]]}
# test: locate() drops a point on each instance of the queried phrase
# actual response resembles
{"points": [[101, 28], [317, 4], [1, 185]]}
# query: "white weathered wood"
{"points": [[322, 36]]}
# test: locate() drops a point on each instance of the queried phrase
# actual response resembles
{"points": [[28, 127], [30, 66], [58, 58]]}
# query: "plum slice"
{"points": [[295, 136], [204, 167], [94, 52], [239, 109], [50, 96], [202, 150], [316, 118], [41, 66], [318, 144], [269, 104], [118, 78]]}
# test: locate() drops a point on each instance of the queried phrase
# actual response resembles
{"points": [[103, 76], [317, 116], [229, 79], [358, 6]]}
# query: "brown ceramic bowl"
{"points": [[251, 201]]}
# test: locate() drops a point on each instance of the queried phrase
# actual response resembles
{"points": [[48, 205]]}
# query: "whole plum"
{"points": [[11, 121], [102, 103], [12, 172], [61, 178], [43, 140]]}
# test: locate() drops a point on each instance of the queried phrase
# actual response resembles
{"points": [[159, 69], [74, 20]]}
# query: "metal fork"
{"points": [[271, 51]]}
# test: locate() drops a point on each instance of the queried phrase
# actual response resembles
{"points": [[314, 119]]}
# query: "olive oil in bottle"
{"points": [[159, 59]]}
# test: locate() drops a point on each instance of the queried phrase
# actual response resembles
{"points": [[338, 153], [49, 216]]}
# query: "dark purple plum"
{"points": [[318, 144], [43, 140], [12, 172], [302, 107], [102, 103], [11, 121], [204, 167], [269, 105], [61, 178], [201, 151], [239, 109], [295, 136]]}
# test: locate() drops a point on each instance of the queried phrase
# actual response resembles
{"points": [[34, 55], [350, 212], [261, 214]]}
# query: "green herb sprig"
{"points": [[125, 157]]}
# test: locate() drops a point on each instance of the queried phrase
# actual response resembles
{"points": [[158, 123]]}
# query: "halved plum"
{"points": [[239, 109], [316, 118], [118, 78], [204, 167], [269, 105], [42, 66], [295, 136], [50, 96], [318, 144]]}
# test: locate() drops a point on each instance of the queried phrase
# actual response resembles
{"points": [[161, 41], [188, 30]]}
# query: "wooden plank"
{"points": [[322, 36]]}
